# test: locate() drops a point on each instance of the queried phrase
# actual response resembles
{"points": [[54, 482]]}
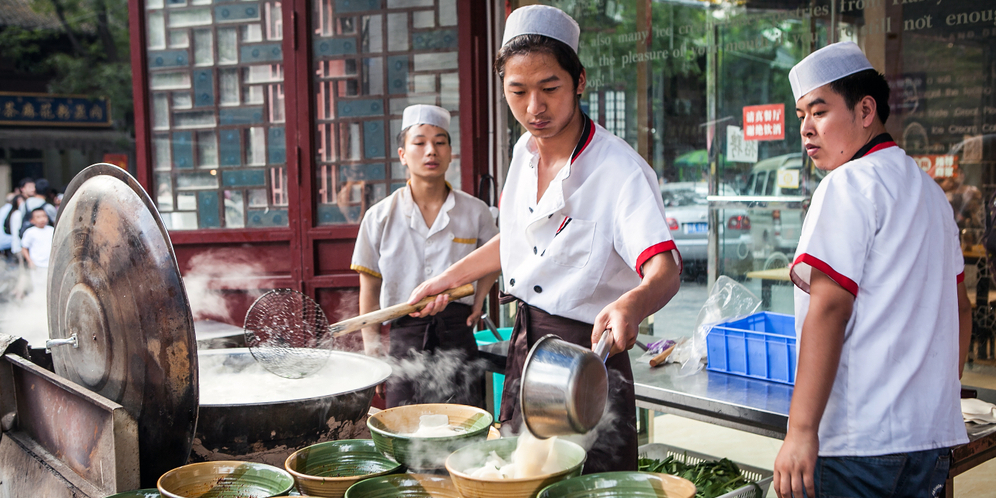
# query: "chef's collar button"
{"points": [[551, 216], [530, 210], [428, 270], [511, 282], [534, 249], [538, 289]]}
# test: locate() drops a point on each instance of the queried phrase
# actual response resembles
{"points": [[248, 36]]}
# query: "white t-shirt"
{"points": [[883, 230], [38, 242], [582, 245], [394, 243]]}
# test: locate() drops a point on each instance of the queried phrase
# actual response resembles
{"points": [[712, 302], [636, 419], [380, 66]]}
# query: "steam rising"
{"points": [[232, 270], [23, 310]]}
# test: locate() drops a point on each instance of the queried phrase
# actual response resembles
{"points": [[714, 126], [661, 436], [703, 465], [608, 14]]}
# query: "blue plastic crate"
{"points": [[760, 346], [498, 380]]}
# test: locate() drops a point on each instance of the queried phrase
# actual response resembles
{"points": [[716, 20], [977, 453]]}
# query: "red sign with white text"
{"points": [[764, 122], [937, 166]]}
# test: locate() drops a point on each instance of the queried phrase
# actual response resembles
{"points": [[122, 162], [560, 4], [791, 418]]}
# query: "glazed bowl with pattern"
{"points": [[392, 431], [621, 484], [225, 479], [571, 458], [328, 469], [404, 485]]}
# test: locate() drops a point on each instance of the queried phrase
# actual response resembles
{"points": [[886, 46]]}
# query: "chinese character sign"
{"points": [[53, 110], [764, 122], [737, 149], [938, 166]]}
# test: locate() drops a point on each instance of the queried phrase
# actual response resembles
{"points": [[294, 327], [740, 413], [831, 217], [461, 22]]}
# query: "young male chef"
{"points": [[584, 244], [414, 234], [882, 315]]}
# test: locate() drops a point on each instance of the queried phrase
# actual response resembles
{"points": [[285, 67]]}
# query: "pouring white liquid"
{"points": [[436, 426], [532, 457]]}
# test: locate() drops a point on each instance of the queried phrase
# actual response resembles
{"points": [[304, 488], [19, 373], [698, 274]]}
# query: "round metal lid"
{"points": [[113, 281]]}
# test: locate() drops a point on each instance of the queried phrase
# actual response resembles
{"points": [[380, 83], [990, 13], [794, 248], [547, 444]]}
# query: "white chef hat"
{"points": [[425, 114], [542, 20], [827, 65]]}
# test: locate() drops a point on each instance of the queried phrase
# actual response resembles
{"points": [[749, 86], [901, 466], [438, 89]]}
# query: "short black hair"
{"points": [[42, 209], [404, 135], [527, 44], [25, 181], [869, 82], [42, 187]]}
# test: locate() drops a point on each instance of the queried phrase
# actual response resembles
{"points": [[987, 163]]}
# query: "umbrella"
{"points": [[694, 158]]}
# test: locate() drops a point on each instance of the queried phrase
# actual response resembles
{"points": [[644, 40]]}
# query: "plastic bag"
{"points": [[727, 300]]}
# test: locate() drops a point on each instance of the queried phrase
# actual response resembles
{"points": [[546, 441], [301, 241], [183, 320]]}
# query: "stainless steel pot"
{"points": [[564, 386]]}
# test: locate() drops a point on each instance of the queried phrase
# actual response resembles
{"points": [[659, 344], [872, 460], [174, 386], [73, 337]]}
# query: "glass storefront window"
{"points": [[216, 86], [372, 59]]}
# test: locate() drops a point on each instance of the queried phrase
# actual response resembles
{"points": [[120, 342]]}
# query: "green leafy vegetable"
{"points": [[711, 478]]}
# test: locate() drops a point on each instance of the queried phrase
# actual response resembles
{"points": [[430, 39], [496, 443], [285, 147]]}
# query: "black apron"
{"points": [[616, 446], [428, 380]]}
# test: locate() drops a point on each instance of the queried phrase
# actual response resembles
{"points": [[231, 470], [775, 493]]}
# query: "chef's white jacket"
{"points": [[395, 245], [583, 244], [884, 231]]}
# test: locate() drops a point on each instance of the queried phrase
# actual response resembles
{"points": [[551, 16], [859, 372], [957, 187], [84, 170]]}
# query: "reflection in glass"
{"points": [[274, 21], [256, 145], [234, 209], [153, 4], [189, 17], [278, 186], [276, 99], [186, 201], [373, 34], [350, 140], [183, 221], [182, 100], [257, 198], [397, 32], [161, 153], [164, 192], [435, 61], [227, 46], [252, 33], [199, 119], [191, 180], [169, 81], [373, 83], [178, 38], [447, 13], [160, 111], [203, 47], [207, 149], [449, 91], [424, 19], [157, 31], [253, 94], [425, 83], [229, 82]]}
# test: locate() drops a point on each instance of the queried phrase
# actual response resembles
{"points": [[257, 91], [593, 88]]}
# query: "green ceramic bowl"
{"points": [[404, 485], [391, 429], [138, 493], [328, 469], [621, 484], [225, 479], [572, 457]]}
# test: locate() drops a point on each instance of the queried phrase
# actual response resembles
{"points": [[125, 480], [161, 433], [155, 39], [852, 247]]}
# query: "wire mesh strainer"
{"points": [[288, 334]]}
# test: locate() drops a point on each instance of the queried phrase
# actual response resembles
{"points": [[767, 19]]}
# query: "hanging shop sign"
{"points": [[937, 166], [738, 149], [764, 122], [40, 109]]}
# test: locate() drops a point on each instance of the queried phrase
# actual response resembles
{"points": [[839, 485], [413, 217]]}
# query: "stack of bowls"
{"points": [[571, 460], [329, 469], [621, 484], [225, 479], [138, 493], [392, 431], [406, 485]]}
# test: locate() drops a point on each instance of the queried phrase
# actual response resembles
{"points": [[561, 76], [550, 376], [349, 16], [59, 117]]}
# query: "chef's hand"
{"points": [[475, 315], [619, 319], [795, 464], [434, 286]]}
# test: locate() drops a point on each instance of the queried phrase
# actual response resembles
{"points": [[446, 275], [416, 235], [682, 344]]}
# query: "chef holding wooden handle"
{"points": [[414, 234], [584, 243]]}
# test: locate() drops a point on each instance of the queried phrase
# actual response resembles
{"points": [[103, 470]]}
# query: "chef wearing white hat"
{"points": [[584, 244], [882, 315], [412, 235]]}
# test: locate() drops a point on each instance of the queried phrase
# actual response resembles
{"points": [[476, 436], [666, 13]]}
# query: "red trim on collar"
{"points": [[883, 145], [585, 140], [656, 249], [961, 277], [848, 284]]}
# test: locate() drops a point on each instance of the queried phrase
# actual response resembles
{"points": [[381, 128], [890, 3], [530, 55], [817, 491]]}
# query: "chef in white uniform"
{"points": [[412, 235], [882, 315], [584, 244]]}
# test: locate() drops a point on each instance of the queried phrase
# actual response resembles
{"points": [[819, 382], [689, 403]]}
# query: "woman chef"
{"points": [[584, 244], [414, 234]]}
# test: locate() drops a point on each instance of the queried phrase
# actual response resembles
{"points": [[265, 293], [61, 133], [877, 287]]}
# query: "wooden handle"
{"points": [[657, 360], [399, 310]]}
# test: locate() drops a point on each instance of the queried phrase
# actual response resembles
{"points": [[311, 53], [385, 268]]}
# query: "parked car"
{"points": [[775, 230], [688, 219]]}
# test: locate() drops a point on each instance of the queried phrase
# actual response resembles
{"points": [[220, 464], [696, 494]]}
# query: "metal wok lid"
{"points": [[113, 281]]}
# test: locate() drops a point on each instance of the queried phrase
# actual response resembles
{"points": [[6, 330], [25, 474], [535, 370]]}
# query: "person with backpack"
{"points": [[5, 238]]}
